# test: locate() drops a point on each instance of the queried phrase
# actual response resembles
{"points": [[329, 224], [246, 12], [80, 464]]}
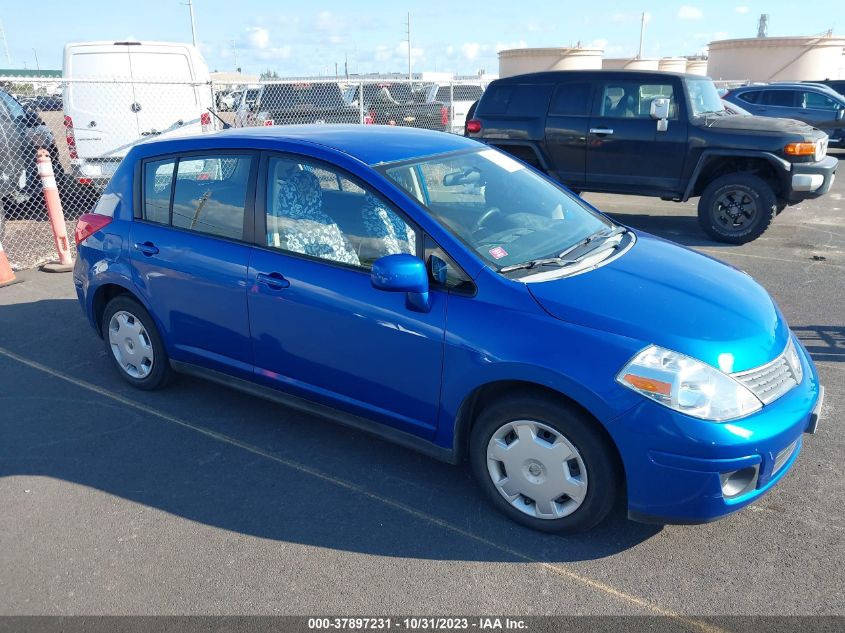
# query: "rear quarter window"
{"points": [[523, 100]]}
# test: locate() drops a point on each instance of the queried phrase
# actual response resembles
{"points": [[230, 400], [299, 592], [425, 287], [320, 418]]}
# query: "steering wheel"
{"points": [[485, 217]]}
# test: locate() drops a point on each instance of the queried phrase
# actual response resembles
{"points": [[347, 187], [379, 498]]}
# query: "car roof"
{"points": [[371, 144], [555, 75], [792, 85]]}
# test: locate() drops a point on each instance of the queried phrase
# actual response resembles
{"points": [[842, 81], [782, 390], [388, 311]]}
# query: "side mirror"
{"points": [[403, 273], [660, 110], [840, 115]]}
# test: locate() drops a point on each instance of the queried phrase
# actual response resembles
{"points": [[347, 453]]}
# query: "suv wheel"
{"points": [[134, 345], [544, 463], [736, 208]]}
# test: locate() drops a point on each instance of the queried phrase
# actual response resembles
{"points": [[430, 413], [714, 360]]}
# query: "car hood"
{"points": [[759, 124], [662, 293]]}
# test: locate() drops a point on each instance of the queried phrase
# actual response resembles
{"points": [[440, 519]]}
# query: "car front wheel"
{"points": [[736, 208], [545, 463]]}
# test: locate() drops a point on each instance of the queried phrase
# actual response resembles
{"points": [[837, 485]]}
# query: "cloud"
{"points": [[686, 12], [600, 43], [471, 50], [741, 9], [257, 37], [501, 46]]}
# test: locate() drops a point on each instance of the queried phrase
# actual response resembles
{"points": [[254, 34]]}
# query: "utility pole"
{"points": [[235, 53], [193, 23], [763, 25], [410, 75], [37, 65], [5, 45], [642, 35]]}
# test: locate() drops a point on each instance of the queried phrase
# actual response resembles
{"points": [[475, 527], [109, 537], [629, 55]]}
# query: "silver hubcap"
{"points": [[536, 469], [131, 344]]}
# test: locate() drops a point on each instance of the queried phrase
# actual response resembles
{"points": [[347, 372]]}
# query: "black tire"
{"points": [[160, 371], [756, 208], [602, 467]]}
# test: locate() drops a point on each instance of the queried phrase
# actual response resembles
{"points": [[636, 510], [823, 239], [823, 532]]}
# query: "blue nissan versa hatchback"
{"points": [[435, 291]]}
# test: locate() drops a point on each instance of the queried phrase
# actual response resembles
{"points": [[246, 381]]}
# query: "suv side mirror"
{"points": [[660, 110], [403, 273], [841, 114]]}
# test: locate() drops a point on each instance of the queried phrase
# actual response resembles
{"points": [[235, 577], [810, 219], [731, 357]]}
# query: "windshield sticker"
{"points": [[498, 252], [502, 160]]}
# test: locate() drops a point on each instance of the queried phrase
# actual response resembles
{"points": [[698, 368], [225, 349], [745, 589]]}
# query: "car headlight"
{"points": [[687, 385], [794, 361]]}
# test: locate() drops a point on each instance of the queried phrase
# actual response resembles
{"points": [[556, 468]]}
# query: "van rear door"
{"points": [[166, 91], [99, 99]]}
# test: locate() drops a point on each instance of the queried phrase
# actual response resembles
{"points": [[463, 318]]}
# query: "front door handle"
{"points": [[602, 131], [147, 248], [274, 281]]}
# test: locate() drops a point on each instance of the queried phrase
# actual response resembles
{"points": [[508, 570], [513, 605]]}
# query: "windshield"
{"points": [[497, 206], [703, 96]]}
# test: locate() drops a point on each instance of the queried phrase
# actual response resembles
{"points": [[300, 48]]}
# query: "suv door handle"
{"points": [[274, 281], [605, 131], [147, 248]]}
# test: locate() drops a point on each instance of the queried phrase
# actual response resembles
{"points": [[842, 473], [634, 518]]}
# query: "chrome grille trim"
{"points": [[770, 381]]}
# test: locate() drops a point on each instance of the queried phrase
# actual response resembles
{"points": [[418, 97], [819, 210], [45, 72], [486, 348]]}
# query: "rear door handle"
{"points": [[604, 131], [147, 248], [274, 281]]}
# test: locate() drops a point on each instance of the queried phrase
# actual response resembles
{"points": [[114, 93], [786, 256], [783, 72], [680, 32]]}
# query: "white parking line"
{"points": [[807, 262], [598, 585]]}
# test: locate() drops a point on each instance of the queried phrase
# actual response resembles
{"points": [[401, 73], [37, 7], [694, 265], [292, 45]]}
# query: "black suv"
{"points": [[657, 134]]}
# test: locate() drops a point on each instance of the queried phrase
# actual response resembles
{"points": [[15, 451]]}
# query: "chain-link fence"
{"points": [[88, 126]]}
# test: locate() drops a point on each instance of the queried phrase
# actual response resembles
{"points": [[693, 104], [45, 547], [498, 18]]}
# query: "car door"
{"points": [[821, 111], [319, 328], [190, 249], [567, 126], [624, 148]]}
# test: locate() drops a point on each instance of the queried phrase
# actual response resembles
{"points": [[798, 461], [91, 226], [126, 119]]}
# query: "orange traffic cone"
{"points": [[7, 277]]}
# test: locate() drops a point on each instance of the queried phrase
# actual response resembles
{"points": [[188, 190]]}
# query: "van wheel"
{"points": [[134, 345], [736, 208], [544, 463]]}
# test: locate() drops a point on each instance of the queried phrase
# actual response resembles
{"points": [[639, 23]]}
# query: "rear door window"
{"points": [[780, 98], [572, 99]]}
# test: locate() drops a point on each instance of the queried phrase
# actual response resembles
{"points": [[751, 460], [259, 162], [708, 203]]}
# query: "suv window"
{"points": [[517, 99], [572, 99], [209, 193], [781, 98], [632, 100], [819, 101], [750, 97], [15, 109], [318, 211]]}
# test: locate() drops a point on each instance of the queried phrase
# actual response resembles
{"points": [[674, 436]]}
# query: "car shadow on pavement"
{"points": [[242, 464], [824, 342]]}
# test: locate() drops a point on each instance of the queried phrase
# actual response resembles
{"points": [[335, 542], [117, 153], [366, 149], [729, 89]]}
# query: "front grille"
{"points": [[769, 382], [783, 457]]}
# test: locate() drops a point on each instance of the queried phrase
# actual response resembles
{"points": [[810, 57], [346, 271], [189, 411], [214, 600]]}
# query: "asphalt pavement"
{"points": [[202, 500]]}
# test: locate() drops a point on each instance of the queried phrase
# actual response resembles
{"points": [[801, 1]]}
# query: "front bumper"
{"points": [[811, 180], [684, 470]]}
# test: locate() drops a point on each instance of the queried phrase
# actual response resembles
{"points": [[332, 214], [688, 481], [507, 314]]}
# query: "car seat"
{"points": [[297, 222], [388, 232]]}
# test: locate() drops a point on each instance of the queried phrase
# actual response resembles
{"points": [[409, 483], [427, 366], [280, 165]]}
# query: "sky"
{"points": [[296, 38]]}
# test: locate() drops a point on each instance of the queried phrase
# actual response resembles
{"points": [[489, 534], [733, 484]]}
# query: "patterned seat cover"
{"points": [[305, 228], [391, 234]]}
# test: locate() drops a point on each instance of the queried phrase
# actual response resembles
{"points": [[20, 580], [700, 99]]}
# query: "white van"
{"points": [[119, 94]]}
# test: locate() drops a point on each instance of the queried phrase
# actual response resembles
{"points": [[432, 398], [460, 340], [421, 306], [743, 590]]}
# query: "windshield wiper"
{"points": [[561, 259]]}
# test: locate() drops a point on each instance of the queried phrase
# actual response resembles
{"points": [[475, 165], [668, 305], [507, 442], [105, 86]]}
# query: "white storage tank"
{"points": [[776, 58], [630, 63], [672, 64], [518, 61], [697, 67]]}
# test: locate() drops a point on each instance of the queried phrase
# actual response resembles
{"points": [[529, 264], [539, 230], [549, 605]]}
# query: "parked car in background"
{"points": [[45, 103], [732, 108], [227, 100], [245, 107], [816, 104], [397, 103], [165, 93], [458, 98], [582, 363], [836, 84], [299, 103], [657, 134]]}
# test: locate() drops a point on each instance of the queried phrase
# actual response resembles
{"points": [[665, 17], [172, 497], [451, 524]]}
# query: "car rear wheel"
{"points": [[736, 208], [134, 345], [544, 463]]}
